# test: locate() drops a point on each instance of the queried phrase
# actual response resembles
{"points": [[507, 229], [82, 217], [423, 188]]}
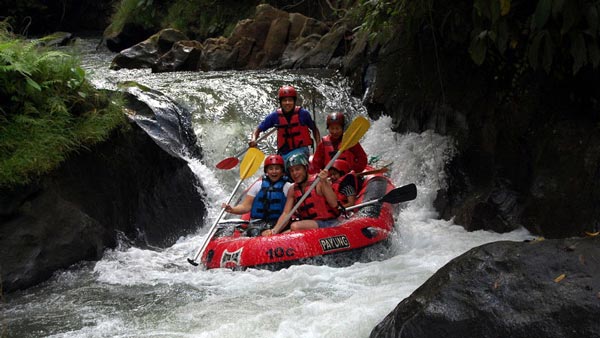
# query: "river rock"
{"points": [[545, 289], [146, 53], [134, 185], [184, 55]]}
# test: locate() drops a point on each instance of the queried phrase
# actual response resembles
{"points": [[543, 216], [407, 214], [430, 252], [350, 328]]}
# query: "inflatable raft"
{"points": [[363, 228]]}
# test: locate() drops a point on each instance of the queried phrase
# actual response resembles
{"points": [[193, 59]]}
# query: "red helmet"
{"points": [[337, 117], [342, 166], [273, 159], [287, 91]]}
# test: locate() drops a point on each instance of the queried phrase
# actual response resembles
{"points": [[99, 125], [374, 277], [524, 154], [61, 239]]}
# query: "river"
{"points": [[133, 292]]}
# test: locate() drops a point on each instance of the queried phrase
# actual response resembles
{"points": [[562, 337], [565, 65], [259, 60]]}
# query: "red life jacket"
{"points": [[292, 134], [330, 151], [336, 186], [314, 206]]}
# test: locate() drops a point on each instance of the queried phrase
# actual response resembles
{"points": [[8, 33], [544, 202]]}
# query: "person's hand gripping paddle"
{"points": [[248, 167], [231, 162]]}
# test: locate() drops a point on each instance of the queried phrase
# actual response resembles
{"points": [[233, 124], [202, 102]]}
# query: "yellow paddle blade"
{"points": [[251, 163], [354, 133]]}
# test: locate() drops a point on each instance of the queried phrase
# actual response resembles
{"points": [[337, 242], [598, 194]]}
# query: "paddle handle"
{"points": [[213, 228], [262, 137]]}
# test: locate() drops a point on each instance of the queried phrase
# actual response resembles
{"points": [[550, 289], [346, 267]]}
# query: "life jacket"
{"points": [[269, 201], [330, 151], [314, 206], [291, 133], [336, 186]]}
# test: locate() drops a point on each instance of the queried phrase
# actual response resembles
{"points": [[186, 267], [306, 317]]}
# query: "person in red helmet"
{"points": [[294, 125], [266, 198], [318, 210], [344, 182], [329, 145]]}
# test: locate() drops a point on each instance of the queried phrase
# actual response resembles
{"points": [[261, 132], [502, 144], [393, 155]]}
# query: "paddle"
{"points": [[250, 164], [394, 196], [355, 131], [231, 162]]}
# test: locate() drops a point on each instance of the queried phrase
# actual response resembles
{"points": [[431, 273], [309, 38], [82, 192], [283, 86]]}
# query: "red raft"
{"points": [[365, 228]]}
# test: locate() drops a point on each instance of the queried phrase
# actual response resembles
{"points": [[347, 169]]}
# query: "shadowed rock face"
{"points": [[127, 185], [540, 289]]}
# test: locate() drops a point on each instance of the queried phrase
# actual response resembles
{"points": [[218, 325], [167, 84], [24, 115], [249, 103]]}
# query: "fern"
{"points": [[45, 116]]}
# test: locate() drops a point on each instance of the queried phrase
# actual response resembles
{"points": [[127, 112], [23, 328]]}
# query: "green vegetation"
{"points": [[555, 35], [558, 36], [199, 19], [48, 110]]}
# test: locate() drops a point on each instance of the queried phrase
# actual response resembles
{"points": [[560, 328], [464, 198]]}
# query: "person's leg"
{"points": [[328, 223], [304, 225]]}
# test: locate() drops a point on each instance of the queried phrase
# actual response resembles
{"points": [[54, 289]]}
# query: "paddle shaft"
{"points": [[213, 228], [312, 186], [364, 204], [264, 136]]}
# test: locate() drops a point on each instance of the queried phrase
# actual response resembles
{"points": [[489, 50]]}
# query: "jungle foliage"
{"points": [[559, 37], [48, 109], [199, 19]]}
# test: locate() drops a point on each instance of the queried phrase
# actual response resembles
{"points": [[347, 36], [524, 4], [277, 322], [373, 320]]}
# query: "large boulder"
{"points": [[135, 185], [184, 55], [129, 35], [146, 53], [542, 289]]}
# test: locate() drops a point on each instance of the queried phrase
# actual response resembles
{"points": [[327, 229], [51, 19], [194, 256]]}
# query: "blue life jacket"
{"points": [[269, 201]]}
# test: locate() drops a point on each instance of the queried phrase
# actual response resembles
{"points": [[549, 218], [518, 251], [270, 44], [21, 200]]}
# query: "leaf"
{"points": [[559, 278], [541, 14], [591, 16], [533, 53], [478, 48], [483, 8], [504, 7], [594, 53], [502, 40], [547, 55], [570, 17], [557, 8], [578, 52], [494, 11], [33, 84]]}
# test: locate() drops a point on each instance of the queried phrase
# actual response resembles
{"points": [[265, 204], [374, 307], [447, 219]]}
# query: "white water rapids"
{"points": [[132, 292]]}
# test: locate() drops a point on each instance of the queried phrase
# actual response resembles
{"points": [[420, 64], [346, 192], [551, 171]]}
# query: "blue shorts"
{"points": [[327, 223]]}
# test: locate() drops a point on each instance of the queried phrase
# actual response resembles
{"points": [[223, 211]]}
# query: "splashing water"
{"points": [[133, 292]]}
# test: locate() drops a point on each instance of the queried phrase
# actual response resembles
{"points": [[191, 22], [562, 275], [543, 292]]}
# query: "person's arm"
{"points": [[347, 187], [351, 201], [307, 120], [318, 158], [289, 204], [267, 123], [360, 158], [254, 137], [325, 189], [246, 204], [316, 133], [241, 208]]}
